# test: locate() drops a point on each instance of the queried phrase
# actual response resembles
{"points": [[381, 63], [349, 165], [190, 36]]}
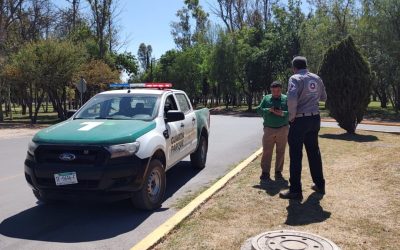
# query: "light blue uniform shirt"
{"points": [[305, 91]]}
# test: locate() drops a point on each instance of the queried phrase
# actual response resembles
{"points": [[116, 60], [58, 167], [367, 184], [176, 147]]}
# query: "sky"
{"points": [[147, 21]]}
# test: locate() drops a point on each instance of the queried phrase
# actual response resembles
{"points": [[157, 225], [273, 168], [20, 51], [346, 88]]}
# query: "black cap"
{"points": [[299, 62], [276, 84]]}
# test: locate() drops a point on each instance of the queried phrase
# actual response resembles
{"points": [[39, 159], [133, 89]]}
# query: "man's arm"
{"points": [[261, 107], [292, 96], [323, 95]]}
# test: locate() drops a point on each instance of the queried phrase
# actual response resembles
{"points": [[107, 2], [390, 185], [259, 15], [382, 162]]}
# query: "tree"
{"points": [[181, 30], [379, 34], [224, 67], [126, 62], [101, 11], [44, 68], [97, 75], [348, 81], [201, 18], [144, 56]]}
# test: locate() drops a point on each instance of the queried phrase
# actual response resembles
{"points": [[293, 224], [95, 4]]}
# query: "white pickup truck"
{"points": [[118, 146]]}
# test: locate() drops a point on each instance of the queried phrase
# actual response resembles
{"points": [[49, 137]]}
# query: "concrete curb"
{"points": [[367, 122], [159, 233]]}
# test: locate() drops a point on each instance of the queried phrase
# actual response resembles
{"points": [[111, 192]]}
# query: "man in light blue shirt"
{"points": [[305, 90]]}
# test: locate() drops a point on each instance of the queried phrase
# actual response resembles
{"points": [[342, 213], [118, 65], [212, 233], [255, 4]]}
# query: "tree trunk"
{"points": [[47, 104], [1, 111], [37, 108], [249, 101], [23, 107], [30, 100]]}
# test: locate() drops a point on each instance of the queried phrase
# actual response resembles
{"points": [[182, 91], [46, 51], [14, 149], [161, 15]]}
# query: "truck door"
{"points": [[175, 130], [190, 124]]}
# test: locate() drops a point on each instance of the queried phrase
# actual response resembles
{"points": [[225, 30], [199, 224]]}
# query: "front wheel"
{"points": [[199, 157], [152, 193]]}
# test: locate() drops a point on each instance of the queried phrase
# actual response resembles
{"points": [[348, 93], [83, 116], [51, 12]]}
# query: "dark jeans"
{"points": [[304, 130]]}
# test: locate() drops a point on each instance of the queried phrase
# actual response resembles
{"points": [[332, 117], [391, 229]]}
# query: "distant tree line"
{"points": [[44, 50]]}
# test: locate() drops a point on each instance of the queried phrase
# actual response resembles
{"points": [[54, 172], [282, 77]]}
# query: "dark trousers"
{"points": [[304, 130]]}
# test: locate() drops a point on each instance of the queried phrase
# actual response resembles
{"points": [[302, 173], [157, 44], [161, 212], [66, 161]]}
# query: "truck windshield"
{"points": [[130, 107]]}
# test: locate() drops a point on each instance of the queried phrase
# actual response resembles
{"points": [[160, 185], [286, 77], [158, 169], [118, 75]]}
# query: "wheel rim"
{"points": [[154, 185], [203, 151]]}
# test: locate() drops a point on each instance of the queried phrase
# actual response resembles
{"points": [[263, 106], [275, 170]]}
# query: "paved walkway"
{"points": [[377, 128]]}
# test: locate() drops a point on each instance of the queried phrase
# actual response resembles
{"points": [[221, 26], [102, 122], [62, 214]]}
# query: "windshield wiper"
{"points": [[105, 118]]}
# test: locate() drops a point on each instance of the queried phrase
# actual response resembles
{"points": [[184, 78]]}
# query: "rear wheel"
{"points": [[199, 157], [151, 195]]}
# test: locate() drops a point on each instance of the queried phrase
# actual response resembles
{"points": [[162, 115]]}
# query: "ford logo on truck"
{"points": [[67, 157]]}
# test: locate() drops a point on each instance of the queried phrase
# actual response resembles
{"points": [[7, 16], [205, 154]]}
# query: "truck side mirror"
{"points": [[70, 113], [174, 115]]}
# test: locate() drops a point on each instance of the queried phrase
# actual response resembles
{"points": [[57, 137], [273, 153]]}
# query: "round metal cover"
{"points": [[291, 240]]}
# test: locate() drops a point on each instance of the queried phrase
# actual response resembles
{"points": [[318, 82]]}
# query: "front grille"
{"points": [[83, 155]]}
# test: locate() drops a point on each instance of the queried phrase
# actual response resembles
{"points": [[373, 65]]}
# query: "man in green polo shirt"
{"points": [[274, 110]]}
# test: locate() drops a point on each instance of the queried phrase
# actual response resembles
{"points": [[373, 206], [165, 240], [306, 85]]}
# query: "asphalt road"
{"points": [[25, 224]]}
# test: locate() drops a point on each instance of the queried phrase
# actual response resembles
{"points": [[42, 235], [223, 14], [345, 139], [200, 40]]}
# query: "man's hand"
{"points": [[277, 112]]}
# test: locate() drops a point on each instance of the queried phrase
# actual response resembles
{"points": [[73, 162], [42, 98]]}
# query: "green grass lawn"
{"points": [[374, 112], [43, 117]]}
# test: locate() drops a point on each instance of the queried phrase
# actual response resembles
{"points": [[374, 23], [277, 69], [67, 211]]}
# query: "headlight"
{"points": [[122, 150], [32, 147]]}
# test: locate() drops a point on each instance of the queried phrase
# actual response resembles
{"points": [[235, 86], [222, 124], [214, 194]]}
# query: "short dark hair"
{"points": [[276, 84], [299, 62]]}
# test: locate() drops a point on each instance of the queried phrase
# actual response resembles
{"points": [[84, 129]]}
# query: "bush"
{"points": [[347, 78]]}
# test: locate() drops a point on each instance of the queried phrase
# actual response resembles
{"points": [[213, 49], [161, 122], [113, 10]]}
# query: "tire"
{"points": [[151, 195], [199, 157]]}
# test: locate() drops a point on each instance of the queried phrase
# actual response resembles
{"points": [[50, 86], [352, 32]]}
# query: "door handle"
{"points": [[182, 125], [194, 119]]}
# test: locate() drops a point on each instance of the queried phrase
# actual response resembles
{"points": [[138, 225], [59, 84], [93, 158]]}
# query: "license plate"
{"points": [[65, 178]]}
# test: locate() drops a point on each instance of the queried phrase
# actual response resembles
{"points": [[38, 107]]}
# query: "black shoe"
{"points": [[265, 177], [318, 189], [290, 195], [278, 176]]}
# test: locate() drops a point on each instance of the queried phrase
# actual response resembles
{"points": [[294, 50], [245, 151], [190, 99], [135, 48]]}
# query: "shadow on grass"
{"points": [[350, 137], [272, 188], [309, 212]]}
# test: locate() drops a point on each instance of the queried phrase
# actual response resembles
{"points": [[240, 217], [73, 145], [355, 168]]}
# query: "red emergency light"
{"points": [[159, 85], [154, 85]]}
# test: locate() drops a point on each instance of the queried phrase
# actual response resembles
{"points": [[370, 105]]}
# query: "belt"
{"points": [[276, 127], [306, 114]]}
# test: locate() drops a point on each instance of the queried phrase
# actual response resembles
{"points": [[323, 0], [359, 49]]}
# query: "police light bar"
{"points": [[154, 85]]}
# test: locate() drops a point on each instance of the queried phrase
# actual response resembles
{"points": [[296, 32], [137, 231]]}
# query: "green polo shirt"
{"points": [[270, 119]]}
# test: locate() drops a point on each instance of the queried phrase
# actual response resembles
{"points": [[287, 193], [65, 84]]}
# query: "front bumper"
{"points": [[99, 177]]}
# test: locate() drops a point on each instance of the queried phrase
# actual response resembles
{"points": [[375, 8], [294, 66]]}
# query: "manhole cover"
{"points": [[290, 240]]}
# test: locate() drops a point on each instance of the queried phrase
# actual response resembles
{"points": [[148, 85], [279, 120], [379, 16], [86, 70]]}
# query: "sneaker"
{"points": [[265, 177], [278, 176], [317, 189], [290, 195]]}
